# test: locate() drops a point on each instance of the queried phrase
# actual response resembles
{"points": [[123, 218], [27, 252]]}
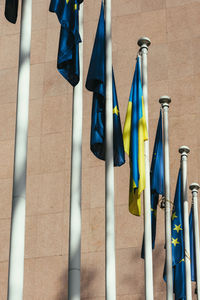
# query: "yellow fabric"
{"points": [[134, 191], [127, 128], [116, 110]]}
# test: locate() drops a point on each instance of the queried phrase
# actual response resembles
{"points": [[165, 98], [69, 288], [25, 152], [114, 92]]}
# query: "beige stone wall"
{"points": [[174, 69]]}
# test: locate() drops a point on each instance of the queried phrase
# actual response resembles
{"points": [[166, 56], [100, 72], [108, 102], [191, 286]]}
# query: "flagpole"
{"points": [[110, 274], [17, 233], [184, 150], [165, 101], [74, 264], [144, 44], [194, 187]]}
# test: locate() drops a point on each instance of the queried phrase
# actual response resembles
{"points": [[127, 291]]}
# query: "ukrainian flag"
{"points": [[134, 135]]}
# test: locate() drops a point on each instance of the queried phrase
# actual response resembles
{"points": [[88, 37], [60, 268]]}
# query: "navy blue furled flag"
{"points": [[178, 254], [96, 83], [192, 247], [11, 10], [156, 179], [68, 52]]}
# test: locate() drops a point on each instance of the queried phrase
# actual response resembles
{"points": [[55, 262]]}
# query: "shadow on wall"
{"points": [[87, 277], [130, 276]]}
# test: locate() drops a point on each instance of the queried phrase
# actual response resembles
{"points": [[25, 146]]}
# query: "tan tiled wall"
{"points": [[173, 68]]}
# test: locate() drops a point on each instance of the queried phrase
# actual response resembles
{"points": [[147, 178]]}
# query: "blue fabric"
{"points": [[136, 93], [11, 10], [157, 180], [96, 83], [178, 255], [68, 52], [177, 220], [192, 247]]}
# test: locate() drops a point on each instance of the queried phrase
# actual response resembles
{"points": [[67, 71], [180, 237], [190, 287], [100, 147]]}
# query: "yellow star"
{"points": [[174, 216], [115, 110], [175, 241], [67, 1], [177, 228], [181, 260], [154, 211]]}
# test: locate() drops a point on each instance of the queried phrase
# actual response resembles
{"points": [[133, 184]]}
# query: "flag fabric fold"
{"points": [[156, 179], [68, 53], [192, 246], [11, 10], [96, 83], [178, 249], [134, 135]]}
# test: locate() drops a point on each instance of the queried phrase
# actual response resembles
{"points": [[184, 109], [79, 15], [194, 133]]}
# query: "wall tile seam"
{"points": [[43, 173], [182, 6], [139, 13], [43, 257], [44, 214]]}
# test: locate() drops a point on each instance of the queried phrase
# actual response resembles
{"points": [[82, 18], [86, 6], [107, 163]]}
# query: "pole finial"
{"points": [[184, 150], [144, 42], [165, 101], [194, 187]]}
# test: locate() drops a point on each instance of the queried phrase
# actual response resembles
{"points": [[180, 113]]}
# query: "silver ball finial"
{"points": [[165, 100], [194, 187], [184, 150], [144, 42]]}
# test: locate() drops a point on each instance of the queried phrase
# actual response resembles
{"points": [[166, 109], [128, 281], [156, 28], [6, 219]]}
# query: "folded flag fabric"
{"points": [[11, 10], [134, 135], [178, 249], [67, 12], [192, 246], [156, 179], [96, 83]]}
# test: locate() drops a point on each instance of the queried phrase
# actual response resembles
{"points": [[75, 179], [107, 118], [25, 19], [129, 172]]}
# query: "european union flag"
{"points": [[192, 247], [11, 10], [96, 83], [134, 135], [156, 179], [178, 255], [68, 52]]}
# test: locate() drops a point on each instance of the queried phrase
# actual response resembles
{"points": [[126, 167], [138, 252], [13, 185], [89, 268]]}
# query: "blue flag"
{"points": [[96, 83], [178, 255], [156, 179], [11, 10], [192, 247], [68, 52]]}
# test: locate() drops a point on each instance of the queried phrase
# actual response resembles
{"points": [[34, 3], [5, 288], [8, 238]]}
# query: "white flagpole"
{"points": [[144, 43], [74, 264], [184, 150], [194, 187], [17, 234], [109, 192], [165, 101]]}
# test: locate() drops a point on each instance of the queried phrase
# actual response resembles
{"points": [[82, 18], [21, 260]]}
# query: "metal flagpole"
{"points": [[109, 189], [165, 101], [17, 234], [194, 187], [74, 264], [144, 43], [184, 150]]}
